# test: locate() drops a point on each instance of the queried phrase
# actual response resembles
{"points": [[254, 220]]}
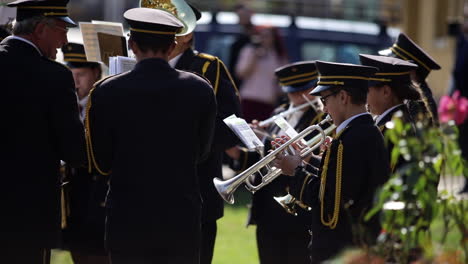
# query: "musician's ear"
{"points": [[386, 90]]}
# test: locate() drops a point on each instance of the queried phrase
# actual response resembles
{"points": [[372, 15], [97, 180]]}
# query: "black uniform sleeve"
{"points": [[207, 123], [65, 121], [99, 137], [227, 104]]}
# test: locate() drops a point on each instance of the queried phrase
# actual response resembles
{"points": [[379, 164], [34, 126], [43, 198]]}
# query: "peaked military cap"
{"points": [[390, 69], [182, 10], [148, 22], [49, 8], [75, 57], [405, 49], [297, 76], [342, 75]]}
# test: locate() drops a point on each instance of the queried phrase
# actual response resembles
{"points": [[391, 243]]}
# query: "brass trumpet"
{"points": [[227, 188], [288, 201], [315, 104]]}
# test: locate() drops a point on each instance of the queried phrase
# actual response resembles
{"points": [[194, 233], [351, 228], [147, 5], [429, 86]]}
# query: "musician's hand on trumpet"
{"points": [[288, 162], [326, 144]]}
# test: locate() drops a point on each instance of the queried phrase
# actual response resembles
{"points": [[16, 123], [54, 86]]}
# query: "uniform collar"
{"points": [[175, 60], [343, 125], [149, 64], [185, 60], [384, 114]]}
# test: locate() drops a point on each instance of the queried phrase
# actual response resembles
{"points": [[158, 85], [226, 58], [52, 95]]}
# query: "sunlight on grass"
{"points": [[235, 243]]}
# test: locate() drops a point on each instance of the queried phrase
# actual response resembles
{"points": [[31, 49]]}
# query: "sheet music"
{"points": [[287, 128], [245, 133], [120, 64], [90, 39]]}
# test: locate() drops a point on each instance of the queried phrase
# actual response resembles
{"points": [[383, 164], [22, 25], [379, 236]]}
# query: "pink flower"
{"points": [[453, 108]]}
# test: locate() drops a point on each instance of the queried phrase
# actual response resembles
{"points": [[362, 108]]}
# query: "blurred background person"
{"points": [[257, 62], [85, 192], [247, 30]]}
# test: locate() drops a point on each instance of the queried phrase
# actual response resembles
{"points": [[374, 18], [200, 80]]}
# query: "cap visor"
{"points": [[70, 23], [320, 89]]}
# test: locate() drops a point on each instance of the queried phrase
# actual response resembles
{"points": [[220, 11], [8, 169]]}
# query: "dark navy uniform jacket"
{"points": [[228, 104], [41, 126], [149, 129], [365, 167]]}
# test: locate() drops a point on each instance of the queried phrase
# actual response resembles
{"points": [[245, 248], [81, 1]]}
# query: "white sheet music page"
{"points": [[244, 132], [90, 39], [287, 128]]}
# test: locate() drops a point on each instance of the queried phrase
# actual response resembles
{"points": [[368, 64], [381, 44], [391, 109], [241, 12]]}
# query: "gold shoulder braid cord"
{"points": [[219, 64], [339, 166], [89, 143]]}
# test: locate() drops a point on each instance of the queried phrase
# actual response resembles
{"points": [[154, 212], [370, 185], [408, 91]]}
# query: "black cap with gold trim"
{"points": [[296, 77], [49, 8], [75, 57], [390, 69], [405, 49], [342, 75], [148, 22]]}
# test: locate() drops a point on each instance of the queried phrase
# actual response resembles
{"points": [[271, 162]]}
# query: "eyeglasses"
{"points": [[324, 98]]}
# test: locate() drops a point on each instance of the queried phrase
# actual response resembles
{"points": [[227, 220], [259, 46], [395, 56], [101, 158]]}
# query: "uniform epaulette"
{"points": [[206, 56]]}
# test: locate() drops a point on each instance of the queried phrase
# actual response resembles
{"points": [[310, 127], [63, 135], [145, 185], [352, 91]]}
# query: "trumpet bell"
{"points": [[224, 189], [287, 202], [178, 8]]}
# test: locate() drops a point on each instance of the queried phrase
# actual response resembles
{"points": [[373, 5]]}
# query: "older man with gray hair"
{"points": [[42, 127]]}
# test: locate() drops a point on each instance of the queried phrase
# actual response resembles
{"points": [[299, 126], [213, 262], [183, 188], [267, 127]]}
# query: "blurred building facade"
{"points": [[427, 22]]}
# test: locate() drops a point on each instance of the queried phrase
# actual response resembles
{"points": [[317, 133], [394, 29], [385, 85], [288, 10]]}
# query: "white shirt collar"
{"points": [[174, 60], [25, 40], [347, 121], [380, 117]]}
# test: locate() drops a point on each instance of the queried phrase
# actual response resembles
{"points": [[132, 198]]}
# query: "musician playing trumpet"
{"points": [[282, 237], [352, 167]]}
